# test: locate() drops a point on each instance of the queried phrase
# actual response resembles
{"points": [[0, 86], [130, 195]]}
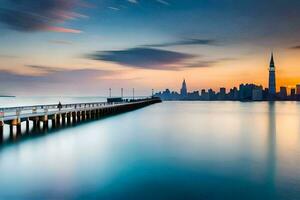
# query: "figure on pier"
{"points": [[59, 106]]}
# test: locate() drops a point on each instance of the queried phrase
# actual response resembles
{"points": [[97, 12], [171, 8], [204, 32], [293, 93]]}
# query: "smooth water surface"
{"points": [[172, 150]]}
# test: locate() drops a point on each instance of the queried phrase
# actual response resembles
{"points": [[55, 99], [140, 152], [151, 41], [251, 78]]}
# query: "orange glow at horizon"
{"points": [[228, 74], [251, 68]]}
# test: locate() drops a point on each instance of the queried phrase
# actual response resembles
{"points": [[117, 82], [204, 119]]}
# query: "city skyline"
{"points": [[83, 47], [243, 92]]}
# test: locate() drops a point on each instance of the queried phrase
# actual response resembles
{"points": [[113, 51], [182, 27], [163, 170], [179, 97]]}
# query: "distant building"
{"points": [[257, 93], [272, 80], [266, 93], [293, 92], [245, 93], [183, 91], [283, 92], [204, 95], [298, 89], [222, 94], [235, 94], [194, 95], [211, 94]]}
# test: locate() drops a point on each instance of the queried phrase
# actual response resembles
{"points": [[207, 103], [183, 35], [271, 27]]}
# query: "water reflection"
{"points": [[42, 129], [271, 159]]}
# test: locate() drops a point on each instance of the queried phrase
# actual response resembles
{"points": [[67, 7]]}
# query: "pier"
{"points": [[40, 116]]}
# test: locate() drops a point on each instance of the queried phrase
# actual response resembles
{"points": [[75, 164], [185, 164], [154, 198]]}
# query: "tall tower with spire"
{"points": [[272, 79], [183, 91]]}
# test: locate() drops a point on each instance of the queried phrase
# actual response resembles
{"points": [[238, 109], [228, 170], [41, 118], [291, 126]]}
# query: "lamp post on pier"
{"points": [[132, 93]]}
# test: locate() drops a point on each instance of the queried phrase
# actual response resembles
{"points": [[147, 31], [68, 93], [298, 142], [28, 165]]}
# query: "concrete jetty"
{"points": [[42, 115]]}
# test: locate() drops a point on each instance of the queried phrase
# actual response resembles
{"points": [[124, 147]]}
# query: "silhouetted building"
{"points": [[222, 94], [204, 95], [272, 80], [283, 93], [211, 94], [298, 89], [293, 92], [194, 95], [266, 93], [235, 94], [257, 93], [183, 91], [230, 95], [245, 93]]}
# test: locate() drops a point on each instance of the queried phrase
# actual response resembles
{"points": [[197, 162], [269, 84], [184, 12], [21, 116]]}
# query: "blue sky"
{"points": [[142, 43]]}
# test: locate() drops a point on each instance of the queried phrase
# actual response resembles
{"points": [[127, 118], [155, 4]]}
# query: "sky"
{"points": [[84, 47]]}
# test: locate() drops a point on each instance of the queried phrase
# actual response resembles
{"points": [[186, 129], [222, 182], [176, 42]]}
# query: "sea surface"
{"points": [[171, 150]]}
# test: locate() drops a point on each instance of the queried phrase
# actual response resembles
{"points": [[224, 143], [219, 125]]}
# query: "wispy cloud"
{"points": [[159, 1], [31, 16], [54, 75], [114, 8], [132, 1], [7, 56], [297, 47], [184, 42], [46, 69], [55, 81], [61, 29], [61, 42], [156, 59], [147, 58], [203, 63], [163, 2]]}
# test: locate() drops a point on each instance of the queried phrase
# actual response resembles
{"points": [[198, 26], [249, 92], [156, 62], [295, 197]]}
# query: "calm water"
{"points": [[173, 150]]}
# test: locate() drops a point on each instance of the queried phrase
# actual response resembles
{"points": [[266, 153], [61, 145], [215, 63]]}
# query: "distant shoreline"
{"points": [[7, 96]]}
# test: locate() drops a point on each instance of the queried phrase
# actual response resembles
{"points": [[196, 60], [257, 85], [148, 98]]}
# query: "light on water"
{"points": [[172, 150]]}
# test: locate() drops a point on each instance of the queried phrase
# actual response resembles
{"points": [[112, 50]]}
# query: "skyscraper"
{"points": [[272, 80], [298, 89], [183, 91]]}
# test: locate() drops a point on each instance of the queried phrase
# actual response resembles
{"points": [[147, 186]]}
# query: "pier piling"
{"points": [[58, 117], [63, 119], [18, 128], [1, 130], [74, 120], [83, 115], [78, 116], [11, 130], [68, 118], [27, 126]]}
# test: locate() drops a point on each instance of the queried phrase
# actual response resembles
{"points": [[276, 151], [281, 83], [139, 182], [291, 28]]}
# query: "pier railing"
{"points": [[10, 113], [51, 108]]}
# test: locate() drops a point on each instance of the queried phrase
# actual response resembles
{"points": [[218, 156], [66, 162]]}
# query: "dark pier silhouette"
{"points": [[48, 118]]}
